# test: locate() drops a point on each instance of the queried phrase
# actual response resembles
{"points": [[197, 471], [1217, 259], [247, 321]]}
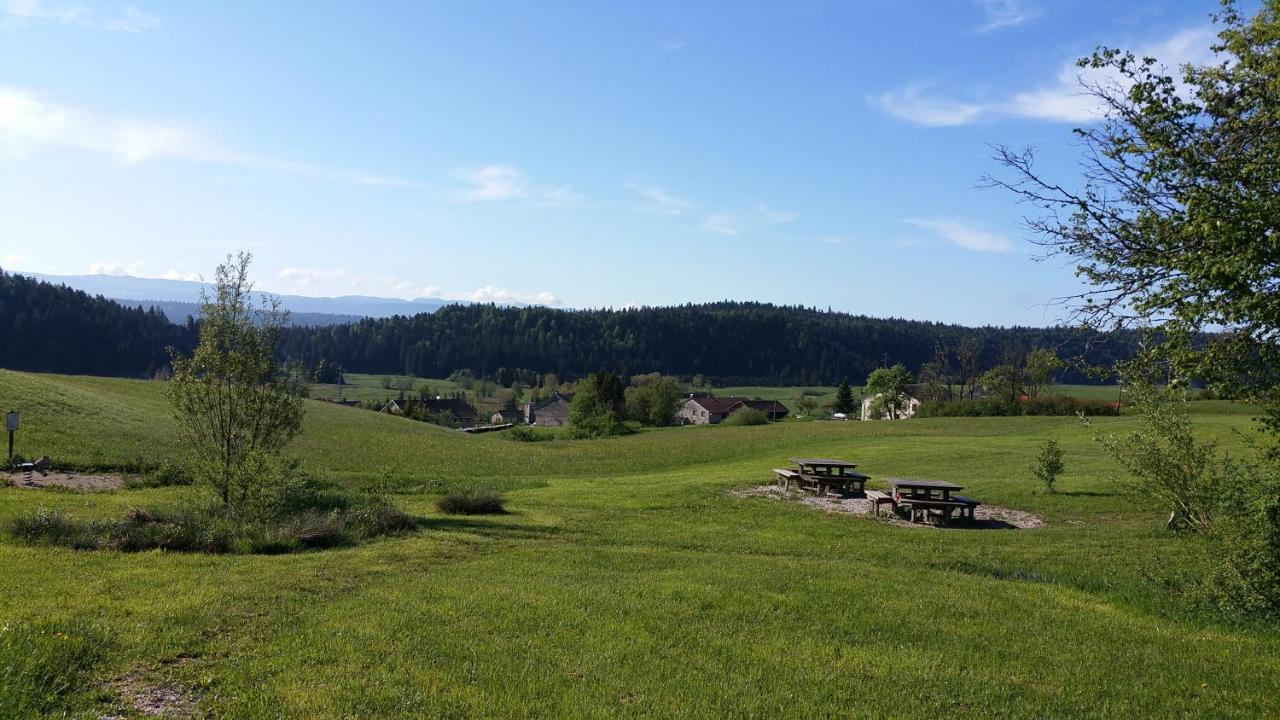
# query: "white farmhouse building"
{"points": [[913, 404]]}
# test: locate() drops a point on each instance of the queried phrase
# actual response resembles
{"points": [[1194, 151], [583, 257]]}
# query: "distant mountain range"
{"points": [[179, 298]]}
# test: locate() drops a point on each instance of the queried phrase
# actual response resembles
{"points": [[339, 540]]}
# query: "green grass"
{"points": [[624, 581]]}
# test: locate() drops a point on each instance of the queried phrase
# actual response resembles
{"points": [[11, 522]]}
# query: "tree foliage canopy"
{"points": [[233, 404], [1177, 218]]}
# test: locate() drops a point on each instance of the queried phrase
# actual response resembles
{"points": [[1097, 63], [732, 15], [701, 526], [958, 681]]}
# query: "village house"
{"points": [[549, 412], [908, 410], [505, 416], [702, 409], [449, 411]]}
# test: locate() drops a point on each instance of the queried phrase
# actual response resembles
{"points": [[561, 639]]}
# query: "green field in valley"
{"points": [[628, 582]]}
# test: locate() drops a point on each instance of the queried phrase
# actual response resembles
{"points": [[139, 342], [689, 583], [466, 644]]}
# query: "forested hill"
{"points": [[729, 342], [52, 328]]}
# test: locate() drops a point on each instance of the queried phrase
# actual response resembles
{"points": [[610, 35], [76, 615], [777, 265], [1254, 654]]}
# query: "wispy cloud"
{"points": [[674, 46], [720, 224], [773, 216], [313, 281], [8, 261], [494, 182], [659, 200], [130, 18], [964, 236], [1006, 13], [115, 268], [1062, 100], [29, 122], [833, 239], [504, 182]]}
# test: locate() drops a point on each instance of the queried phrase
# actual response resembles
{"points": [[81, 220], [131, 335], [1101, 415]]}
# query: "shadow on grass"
{"points": [[498, 530], [1088, 493]]}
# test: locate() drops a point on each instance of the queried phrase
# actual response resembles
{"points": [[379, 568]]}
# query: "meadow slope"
{"points": [[627, 582]]}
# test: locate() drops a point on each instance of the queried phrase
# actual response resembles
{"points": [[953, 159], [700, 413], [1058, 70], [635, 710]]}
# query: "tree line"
{"points": [[730, 342], [52, 328]]}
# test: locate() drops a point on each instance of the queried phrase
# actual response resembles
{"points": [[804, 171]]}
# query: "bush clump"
{"points": [[472, 502], [42, 663], [306, 515], [524, 433], [747, 416], [998, 407]]}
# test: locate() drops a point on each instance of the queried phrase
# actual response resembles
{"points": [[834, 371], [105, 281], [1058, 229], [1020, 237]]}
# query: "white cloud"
{"points": [[720, 223], [115, 268], [321, 281], [29, 122], [557, 197], [774, 216], [172, 274], [1062, 100], [492, 294], [504, 182], [833, 239], [130, 19], [8, 261], [660, 201], [675, 46], [24, 10], [494, 182], [1005, 13], [964, 236]]}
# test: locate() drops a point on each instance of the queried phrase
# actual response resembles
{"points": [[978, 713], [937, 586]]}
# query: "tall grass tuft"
{"points": [[310, 516], [472, 502], [42, 663]]}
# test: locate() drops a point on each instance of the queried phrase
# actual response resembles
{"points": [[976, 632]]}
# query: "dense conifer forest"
{"points": [[51, 328], [729, 342]]}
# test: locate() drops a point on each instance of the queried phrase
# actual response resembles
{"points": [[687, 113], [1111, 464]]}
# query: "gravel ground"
{"points": [[986, 517], [72, 481]]}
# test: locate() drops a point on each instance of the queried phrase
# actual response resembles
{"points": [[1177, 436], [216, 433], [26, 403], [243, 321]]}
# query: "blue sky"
{"points": [[579, 154]]}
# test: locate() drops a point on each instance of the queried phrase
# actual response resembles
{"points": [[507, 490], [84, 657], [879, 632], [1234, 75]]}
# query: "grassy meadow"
{"points": [[627, 582]]}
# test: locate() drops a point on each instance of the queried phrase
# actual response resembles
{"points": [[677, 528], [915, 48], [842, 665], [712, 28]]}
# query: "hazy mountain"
{"points": [[177, 298]]}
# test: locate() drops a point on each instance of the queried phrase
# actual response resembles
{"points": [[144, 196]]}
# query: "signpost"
{"points": [[11, 422]]}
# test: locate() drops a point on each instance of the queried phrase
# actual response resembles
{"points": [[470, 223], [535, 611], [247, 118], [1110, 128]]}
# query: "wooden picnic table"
{"points": [[922, 489], [824, 473], [926, 496]]}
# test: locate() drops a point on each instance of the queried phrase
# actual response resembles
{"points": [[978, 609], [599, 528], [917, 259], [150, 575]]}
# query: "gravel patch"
{"points": [[70, 481], [986, 517]]}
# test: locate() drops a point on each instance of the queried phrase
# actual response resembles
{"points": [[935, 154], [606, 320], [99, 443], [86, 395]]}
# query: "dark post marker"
{"points": [[11, 422]]}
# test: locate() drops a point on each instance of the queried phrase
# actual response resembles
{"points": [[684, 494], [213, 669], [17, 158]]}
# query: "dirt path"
{"points": [[986, 517], [71, 481]]}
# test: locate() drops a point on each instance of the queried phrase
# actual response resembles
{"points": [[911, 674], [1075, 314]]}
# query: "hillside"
{"points": [[627, 580], [730, 342], [56, 329], [65, 330]]}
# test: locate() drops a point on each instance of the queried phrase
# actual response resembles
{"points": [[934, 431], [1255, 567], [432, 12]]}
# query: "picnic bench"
{"points": [[878, 498], [923, 498], [786, 477], [823, 475]]}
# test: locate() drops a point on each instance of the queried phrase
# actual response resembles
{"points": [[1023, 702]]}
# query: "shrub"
{"points": [[312, 515], [472, 502], [994, 407], [747, 416], [524, 433], [1048, 464], [41, 663]]}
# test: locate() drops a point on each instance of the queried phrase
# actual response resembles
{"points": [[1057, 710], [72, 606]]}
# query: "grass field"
{"points": [[627, 583]]}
